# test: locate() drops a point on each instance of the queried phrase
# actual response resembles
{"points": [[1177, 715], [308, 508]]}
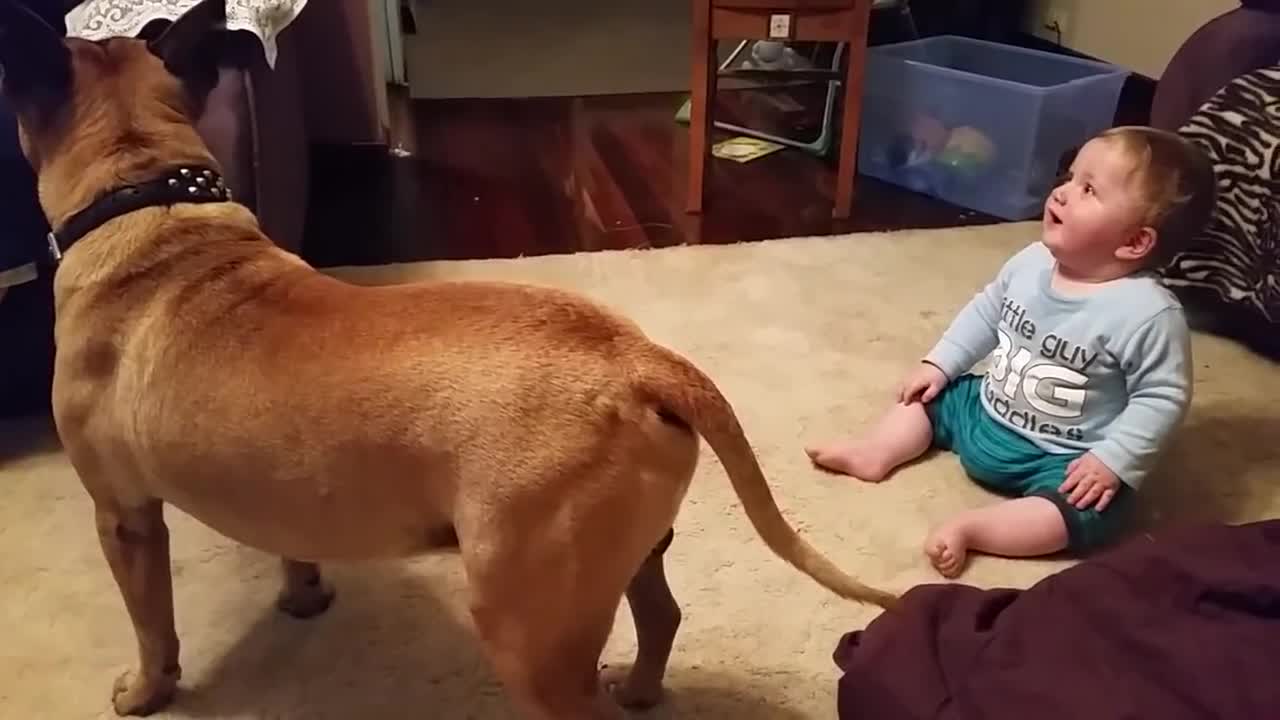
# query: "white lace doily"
{"points": [[101, 19]]}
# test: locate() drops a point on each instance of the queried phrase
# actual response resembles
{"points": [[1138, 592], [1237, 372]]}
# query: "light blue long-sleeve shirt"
{"points": [[1108, 372]]}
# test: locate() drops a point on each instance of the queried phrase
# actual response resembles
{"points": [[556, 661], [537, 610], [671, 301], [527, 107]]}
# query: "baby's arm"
{"points": [[1157, 361], [972, 334]]}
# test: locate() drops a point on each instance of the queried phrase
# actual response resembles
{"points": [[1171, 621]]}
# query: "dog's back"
{"points": [[235, 354]]}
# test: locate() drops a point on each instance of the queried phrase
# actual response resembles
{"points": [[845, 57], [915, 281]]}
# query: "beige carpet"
{"points": [[806, 336]]}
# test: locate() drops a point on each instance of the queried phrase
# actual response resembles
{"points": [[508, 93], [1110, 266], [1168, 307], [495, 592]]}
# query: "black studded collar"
{"points": [[180, 185]]}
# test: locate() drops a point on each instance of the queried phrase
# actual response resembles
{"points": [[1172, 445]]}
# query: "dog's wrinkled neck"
{"points": [[72, 181]]}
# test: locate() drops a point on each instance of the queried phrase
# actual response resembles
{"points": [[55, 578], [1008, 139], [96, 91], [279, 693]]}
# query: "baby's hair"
{"points": [[1177, 183]]}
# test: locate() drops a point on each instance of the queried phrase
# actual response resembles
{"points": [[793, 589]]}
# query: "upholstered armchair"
{"points": [[260, 122], [1220, 89]]}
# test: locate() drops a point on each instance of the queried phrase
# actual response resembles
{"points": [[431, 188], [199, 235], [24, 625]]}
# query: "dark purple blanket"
{"points": [[1184, 626]]}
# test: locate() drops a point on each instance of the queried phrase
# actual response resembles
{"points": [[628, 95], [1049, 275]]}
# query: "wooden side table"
{"points": [[790, 20]]}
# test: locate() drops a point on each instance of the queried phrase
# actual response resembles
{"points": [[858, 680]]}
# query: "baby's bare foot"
{"points": [[848, 458], [948, 548]]}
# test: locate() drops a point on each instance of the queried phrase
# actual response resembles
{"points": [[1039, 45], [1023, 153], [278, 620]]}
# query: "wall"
{"points": [[1141, 35], [524, 48]]}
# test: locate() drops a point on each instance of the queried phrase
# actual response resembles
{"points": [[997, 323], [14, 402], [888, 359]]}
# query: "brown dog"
{"points": [[201, 366]]}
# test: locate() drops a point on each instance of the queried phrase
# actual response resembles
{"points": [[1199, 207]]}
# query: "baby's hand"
{"points": [[923, 384], [1089, 481]]}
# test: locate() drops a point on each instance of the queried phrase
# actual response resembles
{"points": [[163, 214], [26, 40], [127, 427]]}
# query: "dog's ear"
{"points": [[191, 46], [35, 64]]}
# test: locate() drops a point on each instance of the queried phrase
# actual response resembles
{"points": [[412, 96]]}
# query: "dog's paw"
{"points": [[306, 601], [629, 691], [136, 694]]}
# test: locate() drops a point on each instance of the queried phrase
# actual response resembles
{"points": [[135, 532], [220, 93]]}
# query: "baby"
{"points": [[1091, 361]]}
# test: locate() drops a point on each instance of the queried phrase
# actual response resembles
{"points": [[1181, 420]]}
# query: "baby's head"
{"points": [[1133, 198]]}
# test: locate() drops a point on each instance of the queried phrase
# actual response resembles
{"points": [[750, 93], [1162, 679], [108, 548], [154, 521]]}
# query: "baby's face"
{"points": [[1092, 218]]}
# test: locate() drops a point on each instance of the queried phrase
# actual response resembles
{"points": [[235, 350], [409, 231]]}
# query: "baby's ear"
{"points": [[1140, 245]]}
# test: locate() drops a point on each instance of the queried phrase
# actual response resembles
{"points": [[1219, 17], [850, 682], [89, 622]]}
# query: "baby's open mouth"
{"points": [[1053, 217]]}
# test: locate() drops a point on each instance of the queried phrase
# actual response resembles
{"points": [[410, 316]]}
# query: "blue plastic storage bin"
{"points": [[979, 124]]}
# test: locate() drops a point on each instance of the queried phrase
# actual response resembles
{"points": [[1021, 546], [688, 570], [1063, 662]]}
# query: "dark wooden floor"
{"points": [[504, 178]]}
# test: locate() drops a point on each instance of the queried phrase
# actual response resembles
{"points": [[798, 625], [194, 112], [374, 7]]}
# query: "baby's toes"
{"points": [[948, 564], [944, 559], [953, 563], [935, 546]]}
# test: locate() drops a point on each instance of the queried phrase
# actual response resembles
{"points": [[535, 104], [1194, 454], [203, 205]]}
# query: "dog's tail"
{"points": [[686, 392]]}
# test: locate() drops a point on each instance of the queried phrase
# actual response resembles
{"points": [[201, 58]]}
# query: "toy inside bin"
{"points": [[980, 124]]}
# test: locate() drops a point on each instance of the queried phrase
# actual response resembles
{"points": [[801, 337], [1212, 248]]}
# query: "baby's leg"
{"points": [[1025, 527], [902, 434]]}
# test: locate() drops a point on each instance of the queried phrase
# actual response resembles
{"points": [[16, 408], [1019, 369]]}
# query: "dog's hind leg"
{"points": [[543, 629], [305, 593], [657, 618], [136, 544]]}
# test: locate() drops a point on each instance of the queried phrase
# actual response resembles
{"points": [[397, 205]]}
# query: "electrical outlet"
{"points": [[780, 27], [1055, 24]]}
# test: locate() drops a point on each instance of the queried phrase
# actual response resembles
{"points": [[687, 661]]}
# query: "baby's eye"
{"points": [[1088, 188]]}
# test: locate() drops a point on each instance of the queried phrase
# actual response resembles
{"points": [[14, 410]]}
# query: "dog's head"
{"points": [[106, 108]]}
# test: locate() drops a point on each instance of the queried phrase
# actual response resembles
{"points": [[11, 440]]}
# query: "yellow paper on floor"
{"points": [[744, 149]]}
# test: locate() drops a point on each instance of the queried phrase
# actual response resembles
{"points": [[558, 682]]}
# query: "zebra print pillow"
{"points": [[1237, 258]]}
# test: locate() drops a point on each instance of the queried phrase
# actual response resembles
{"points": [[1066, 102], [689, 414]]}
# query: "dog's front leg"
{"points": [[136, 544], [305, 593]]}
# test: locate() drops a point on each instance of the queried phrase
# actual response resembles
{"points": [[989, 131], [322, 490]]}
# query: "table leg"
{"points": [[848, 165], [702, 102]]}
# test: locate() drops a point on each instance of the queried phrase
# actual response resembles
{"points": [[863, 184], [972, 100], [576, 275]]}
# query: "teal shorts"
{"points": [[1006, 463]]}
